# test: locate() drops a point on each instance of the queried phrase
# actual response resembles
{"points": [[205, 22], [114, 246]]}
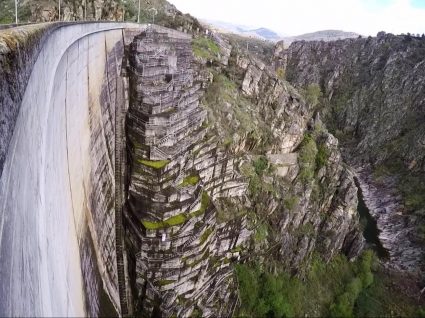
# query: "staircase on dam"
{"points": [[119, 205]]}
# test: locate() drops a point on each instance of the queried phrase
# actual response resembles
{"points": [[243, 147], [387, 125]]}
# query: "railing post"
{"points": [[16, 11], [119, 206], [138, 14]]}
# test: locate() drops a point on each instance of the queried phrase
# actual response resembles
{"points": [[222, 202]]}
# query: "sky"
{"points": [[293, 17]]}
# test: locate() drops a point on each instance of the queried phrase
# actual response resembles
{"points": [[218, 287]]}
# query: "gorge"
{"points": [[165, 171]]}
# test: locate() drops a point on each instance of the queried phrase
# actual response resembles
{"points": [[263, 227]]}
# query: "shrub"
{"points": [[312, 94], [328, 289], [321, 157], [205, 235], [290, 202], [248, 287], [260, 165], [280, 72], [173, 221], [421, 312], [165, 282], [205, 48], [364, 278], [261, 232], [180, 218], [205, 201], [343, 308], [307, 159]]}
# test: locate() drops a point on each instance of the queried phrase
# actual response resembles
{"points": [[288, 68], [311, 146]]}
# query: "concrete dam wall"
{"points": [[57, 236]]}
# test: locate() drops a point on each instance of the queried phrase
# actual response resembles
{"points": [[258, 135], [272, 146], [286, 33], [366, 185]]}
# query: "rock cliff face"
{"points": [[180, 254], [374, 100], [375, 88], [197, 199], [314, 203], [47, 10], [109, 10]]}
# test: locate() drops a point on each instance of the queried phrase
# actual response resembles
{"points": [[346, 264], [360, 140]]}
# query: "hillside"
{"points": [[325, 35], [374, 101], [245, 31]]}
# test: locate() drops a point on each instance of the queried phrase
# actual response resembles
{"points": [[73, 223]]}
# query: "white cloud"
{"points": [[301, 16]]}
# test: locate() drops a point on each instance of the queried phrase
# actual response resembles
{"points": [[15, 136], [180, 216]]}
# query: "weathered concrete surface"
{"points": [[47, 181]]}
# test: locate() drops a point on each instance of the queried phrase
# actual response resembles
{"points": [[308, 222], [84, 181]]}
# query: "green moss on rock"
{"points": [[190, 181], [205, 48], [156, 164]]}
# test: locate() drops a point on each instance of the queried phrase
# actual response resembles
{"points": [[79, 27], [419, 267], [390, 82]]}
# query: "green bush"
{"points": [[172, 221], [261, 232], [260, 165], [205, 48], [321, 157], [421, 312], [328, 289], [307, 159], [290, 202], [312, 94], [180, 218], [205, 235], [280, 72], [165, 282], [249, 287], [344, 305]]}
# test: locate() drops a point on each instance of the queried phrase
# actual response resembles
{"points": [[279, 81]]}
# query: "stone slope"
{"points": [[179, 251], [267, 120], [374, 100], [375, 87]]}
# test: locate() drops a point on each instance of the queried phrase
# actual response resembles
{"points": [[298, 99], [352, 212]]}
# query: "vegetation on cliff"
{"points": [[327, 289], [339, 288]]}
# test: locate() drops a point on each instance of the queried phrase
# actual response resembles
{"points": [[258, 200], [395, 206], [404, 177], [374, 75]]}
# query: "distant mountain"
{"points": [[260, 33], [325, 35], [266, 34]]}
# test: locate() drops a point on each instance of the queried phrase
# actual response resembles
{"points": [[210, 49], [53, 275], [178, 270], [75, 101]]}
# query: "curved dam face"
{"points": [[57, 183]]}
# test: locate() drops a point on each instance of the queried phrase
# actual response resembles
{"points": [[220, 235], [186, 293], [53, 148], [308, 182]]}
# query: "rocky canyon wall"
{"points": [[374, 101], [375, 88]]}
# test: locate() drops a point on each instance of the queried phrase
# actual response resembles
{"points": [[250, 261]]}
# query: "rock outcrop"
{"points": [[374, 100], [180, 254], [303, 215], [397, 231], [375, 88]]}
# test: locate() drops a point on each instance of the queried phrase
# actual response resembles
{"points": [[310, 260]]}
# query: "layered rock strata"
{"points": [[375, 87], [315, 214], [180, 260], [375, 102]]}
